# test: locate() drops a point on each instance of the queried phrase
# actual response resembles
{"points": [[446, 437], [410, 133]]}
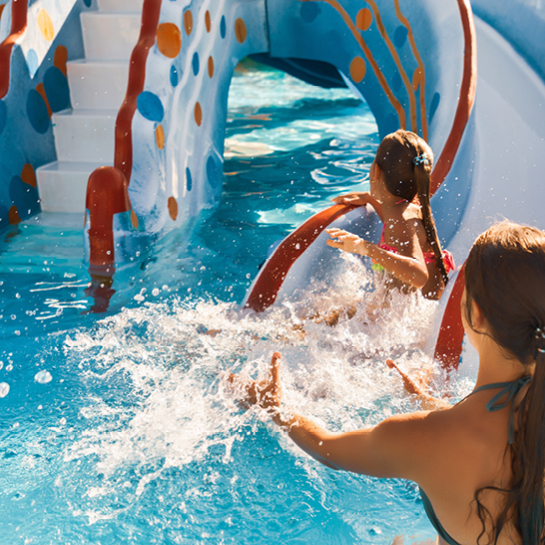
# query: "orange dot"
{"points": [[169, 39], [45, 25], [28, 175], [13, 216], [240, 30], [207, 21], [188, 22], [160, 136], [210, 66], [60, 58], [172, 208], [357, 69], [364, 19], [41, 89], [134, 219], [198, 114], [417, 78]]}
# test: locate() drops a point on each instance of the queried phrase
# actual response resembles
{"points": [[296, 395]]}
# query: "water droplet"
{"points": [[155, 292], [43, 377], [4, 389]]}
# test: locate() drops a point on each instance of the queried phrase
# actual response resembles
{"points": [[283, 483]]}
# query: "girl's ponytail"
{"points": [[422, 174], [406, 161]]}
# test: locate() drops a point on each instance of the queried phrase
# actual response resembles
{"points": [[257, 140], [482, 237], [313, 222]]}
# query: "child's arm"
{"points": [[360, 198], [407, 269]]}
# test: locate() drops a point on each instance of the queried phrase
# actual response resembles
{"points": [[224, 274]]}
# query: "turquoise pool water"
{"points": [[118, 428]]}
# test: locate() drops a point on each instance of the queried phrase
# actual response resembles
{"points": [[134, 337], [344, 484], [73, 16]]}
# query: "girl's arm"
{"points": [[394, 448], [360, 198], [407, 269]]}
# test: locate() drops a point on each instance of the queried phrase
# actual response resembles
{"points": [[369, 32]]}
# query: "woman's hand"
{"points": [[358, 198], [266, 394], [347, 241], [429, 402]]}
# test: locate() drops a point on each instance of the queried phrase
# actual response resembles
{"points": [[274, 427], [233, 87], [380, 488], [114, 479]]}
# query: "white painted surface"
{"points": [[101, 85], [63, 185], [120, 5], [85, 135], [109, 36]]}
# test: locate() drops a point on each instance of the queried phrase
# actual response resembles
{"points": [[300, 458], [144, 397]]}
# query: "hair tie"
{"points": [[421, 159]]}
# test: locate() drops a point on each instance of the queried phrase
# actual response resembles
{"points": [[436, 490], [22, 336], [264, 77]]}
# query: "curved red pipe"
{"points": [[19, 10], [269, 282], [465, 100], [448, 347]]}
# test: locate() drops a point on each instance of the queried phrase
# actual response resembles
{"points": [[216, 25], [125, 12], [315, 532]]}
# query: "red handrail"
{"points": [[465, 101], [107, 189]]}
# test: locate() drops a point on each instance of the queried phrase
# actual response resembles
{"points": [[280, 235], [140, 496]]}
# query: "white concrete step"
{"points": [[101, 85], [121, 5], [109, 35], [62, 186], [85, 135]]}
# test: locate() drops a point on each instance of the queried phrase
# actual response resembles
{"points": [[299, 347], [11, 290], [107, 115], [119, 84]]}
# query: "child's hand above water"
{"points": [[358, 198], [348, 242], [266, 394]]}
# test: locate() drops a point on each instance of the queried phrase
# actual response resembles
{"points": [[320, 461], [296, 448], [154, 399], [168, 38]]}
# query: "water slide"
{"points": [[115, 110]]}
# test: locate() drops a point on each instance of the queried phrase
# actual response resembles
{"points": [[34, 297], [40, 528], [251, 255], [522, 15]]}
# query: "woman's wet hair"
{"points": [[406, 162], [505, 277]]}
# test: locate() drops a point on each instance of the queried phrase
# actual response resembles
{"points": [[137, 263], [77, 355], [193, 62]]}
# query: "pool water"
{"points": [[119, 428]]}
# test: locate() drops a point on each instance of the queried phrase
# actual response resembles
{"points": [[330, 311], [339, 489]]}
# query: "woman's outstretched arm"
{"points": [[394, 448]]}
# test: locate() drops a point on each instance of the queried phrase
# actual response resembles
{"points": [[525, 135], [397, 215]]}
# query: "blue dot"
{"points": [[223, 27], [212, 171], [390, 124], [3, 115], [188, 179], [434, 105], [87, 3], [56, 89], [17, 191], [396, 82], [32, 62], [173, 76], [150, 106], [4, 216], [309, 12], [195, 63], [400, 36], [37, 113]]}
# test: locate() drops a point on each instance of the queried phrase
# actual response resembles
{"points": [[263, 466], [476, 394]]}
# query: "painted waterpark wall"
{"points": [[407, 62], [35, 44], [522, 23]]}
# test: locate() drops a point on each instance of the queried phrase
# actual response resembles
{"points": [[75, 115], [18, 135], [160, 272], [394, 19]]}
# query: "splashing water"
{"points": [[122, 428]]}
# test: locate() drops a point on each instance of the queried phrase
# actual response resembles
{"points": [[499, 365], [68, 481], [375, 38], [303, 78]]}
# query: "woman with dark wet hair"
{"points": [[480, 464]]}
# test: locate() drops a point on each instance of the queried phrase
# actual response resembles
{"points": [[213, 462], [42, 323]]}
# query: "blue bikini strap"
{"points": [[511, 390]]}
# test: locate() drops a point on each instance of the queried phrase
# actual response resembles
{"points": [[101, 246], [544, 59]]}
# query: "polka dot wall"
{"points": [[178, 130], [38, 88]]}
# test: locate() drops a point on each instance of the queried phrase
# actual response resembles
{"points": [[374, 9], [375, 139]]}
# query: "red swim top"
{"points": [[429, 257]]}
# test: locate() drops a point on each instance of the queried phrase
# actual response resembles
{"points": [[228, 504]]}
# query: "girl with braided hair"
{"points": [[480, 464], [409, 248]]}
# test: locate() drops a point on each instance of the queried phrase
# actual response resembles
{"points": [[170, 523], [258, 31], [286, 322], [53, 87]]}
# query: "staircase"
{"points": [[85, 134]]}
